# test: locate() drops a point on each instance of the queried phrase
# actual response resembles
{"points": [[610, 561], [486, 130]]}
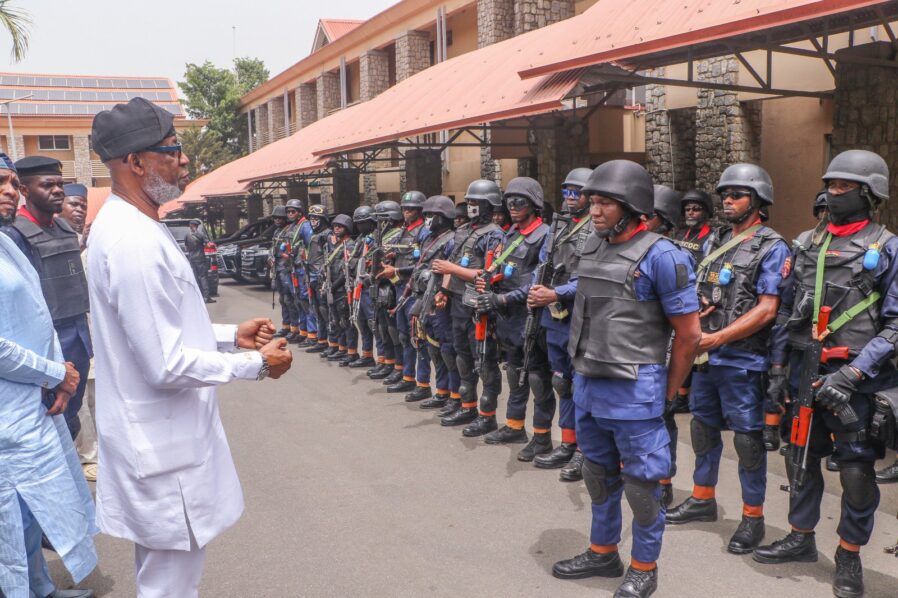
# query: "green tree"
{"points": [[16, 22], [205, 150], [251, 73]]}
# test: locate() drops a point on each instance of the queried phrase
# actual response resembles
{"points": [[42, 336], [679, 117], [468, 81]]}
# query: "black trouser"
{"points": [[201, 273]]}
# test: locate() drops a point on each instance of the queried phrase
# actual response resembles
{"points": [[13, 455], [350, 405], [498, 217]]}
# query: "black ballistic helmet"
{"points": [[524, 186], [577, 177], [344, 221], [279, 212], [318, 211], [440, 204], [461, 210], [363, 213], [698, 196], [667, 204], [484, 190], [623, 181], [294, 203], [750, 176], [864, 167], [412, 199], [388, 210]]}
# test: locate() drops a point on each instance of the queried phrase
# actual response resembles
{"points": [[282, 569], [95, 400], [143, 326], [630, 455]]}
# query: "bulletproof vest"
{"points": [[57, 256], [518, 267], [846, 283], [317, 249], [404, 247], [612, 332], [568, 248], [694, 245], [466, 238], [337, 261], [431, 249], [739, 295]]}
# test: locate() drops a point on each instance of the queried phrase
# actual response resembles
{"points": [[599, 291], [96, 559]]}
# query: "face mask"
{"points": [[473, 210], [848, 207], [428, 222]]}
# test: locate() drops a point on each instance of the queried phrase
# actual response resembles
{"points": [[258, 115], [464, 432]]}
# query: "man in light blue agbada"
{"points": [[42, 488]]}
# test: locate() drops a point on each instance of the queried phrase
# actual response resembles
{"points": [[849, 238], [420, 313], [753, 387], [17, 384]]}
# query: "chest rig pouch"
{"points": [[884, 426]]}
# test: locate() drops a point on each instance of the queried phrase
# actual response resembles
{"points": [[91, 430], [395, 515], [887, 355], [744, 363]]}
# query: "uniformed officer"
{"points": [[316, 253], [852, 269], [195, 243], [633, 288], [502, 218], [298, 235], [472, 244], [337, 263], [74, 208], [557, 299], [516, 258], [461, 215], [362, 308], [389, 219], [431, 327], [739, 283], [406, 251], [280, 264], [52, 247]]}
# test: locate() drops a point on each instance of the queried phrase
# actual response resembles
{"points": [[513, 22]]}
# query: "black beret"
{"points": [[75, 190], [39, 165], [129, 128]]}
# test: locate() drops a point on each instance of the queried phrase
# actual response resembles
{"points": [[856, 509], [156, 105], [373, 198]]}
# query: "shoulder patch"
{"points": [[787, 267], [682, 276]]}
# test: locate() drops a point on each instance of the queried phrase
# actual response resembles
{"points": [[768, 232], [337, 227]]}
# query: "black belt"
{"points": [[859, 436]]}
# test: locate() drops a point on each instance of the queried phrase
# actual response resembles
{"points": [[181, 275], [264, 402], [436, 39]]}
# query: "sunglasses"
{"points": [[166, 149], [693, 209], [735, 193], [516, 202], [570, 193]]}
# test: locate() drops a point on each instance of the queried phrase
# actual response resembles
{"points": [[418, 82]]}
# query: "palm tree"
{"points": [[16, 21]]}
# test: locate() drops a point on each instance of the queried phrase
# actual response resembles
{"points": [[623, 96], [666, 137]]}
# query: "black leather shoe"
{"points": [[557, 457], [540, 444], [337, 356], [506, 435], [328, 352], [748, 535], [437, 402], [377, 369], [771, 437], [418, 394], [318, 348], [304, 341], [796, 547], [832, 464], [888, 475], [573, 471], [292, 337], [380, 373], [362, 362], [282, 333], [666, 495], [459, 417], [693, 509], [393, 377], [402, 386], [452, 405], [484, 424], [349, 358], [589, 564], [638, 584], [849, 579]]}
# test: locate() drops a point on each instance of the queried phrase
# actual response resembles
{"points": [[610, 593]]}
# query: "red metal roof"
{"points": [[293, 154], [337, 28], [220, 182], [619, 29]]}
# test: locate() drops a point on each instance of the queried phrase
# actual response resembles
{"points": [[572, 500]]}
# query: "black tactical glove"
{"points": [[771, 437], [836, 389], [777, 382], [489, 301]]}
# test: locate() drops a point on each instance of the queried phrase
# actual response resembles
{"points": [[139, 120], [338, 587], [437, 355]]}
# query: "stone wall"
{"points": [[495, 21], [306, 109], [276, 119], [412, 54], [374, 74], [534, 14], [865, 115], [328, 87], [682, 131], [262, 134], [83, 171]]}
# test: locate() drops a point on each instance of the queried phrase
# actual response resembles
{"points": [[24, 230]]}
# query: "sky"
{"points": [[124, 37]]}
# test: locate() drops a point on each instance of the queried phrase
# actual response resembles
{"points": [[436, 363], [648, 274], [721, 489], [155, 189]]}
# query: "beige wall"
{"points": [[463, 26], [31, 149], [795, 160]]}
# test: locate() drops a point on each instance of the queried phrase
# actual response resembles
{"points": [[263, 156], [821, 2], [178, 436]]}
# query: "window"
{"points": [[53, 142]]}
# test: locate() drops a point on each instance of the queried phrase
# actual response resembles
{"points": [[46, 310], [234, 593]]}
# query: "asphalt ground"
{"points": [[352, 492]]}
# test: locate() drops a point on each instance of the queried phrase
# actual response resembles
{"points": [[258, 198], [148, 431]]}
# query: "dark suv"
{"points": [[179, 228], [231, 248]]}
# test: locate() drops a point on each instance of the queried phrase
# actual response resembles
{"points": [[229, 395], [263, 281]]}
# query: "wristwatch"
{"points": [[264, 370]]}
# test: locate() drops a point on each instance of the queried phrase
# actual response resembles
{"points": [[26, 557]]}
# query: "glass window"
{"points": [[53, 142], [89, 82]]}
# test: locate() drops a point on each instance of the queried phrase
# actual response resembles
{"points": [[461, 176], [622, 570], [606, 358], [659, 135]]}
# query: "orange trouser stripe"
{"points": [[703, 492], [753, 511], [640, 566], [515, 424], [603, 548], [568, 436]]}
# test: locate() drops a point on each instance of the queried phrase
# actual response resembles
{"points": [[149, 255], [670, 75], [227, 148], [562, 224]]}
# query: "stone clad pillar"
{"points": [[83, 170], [328, 87], [534, 14], [374, 73], [263, 137], [412, 54], [276, 119], [306, 105]]}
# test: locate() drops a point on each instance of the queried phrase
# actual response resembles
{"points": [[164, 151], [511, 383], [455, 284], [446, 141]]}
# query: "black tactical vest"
{"points": [[739, 296], [431, 249], [317, 249], [57, 257], [522, 261], [568, 248], [404, 247], [466, 238], [846, 283], [694, 245], [612, 333]]}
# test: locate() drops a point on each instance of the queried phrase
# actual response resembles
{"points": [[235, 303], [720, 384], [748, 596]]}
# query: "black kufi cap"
{"points": [[39, 165], [129, 128]]}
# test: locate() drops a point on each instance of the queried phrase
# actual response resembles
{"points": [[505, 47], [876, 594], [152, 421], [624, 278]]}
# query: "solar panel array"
{"points": [[95, 82], [55, 95], [54, 109]]}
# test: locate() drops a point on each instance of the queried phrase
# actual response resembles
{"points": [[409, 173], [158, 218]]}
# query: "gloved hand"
{"points": [[489, 302], [777, 382], [835, 389]]}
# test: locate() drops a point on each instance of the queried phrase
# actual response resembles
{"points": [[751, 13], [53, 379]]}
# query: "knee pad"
{"points": [[511, 374], [750, 449], [540, 387], [642, 496], [595, 477], [562, 385], [450, 360], [704, 437], [435, 355], [465, 371], [404, 339], [858, 484], [394, 334]]}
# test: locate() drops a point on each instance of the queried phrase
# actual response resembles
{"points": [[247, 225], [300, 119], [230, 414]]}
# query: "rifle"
{"points": [[427, 300], [482, 324], [803, 419], [358, 283], [544, 275]]}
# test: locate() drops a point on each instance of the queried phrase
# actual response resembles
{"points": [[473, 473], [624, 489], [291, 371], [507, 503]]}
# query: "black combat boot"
{"points": [[693, 509], [317, 348], [385, 369], [362, 362], [557, 457], [393, 377], [832, 464], [337, 356], [680, 404], [666, 495], [283, 332], [459, 417], [888, 475], [328, 352], [573, 471], [452, 405], [638, 584], [292, 337], [506, 435], [378, 367], [748, 535], [402, 386], [849, 579], [418, 394], [540, 444], [771, 437], [797, 546], [483, 424], [589, 564], [349, 358], [437, 402]]}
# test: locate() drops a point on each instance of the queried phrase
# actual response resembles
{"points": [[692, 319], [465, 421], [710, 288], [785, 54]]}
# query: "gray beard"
{"points": [[690, 222], [160, 191], [7, 220]]}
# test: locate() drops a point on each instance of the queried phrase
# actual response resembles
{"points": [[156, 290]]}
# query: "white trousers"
{"points": [[86, 443], [169, 573]]}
